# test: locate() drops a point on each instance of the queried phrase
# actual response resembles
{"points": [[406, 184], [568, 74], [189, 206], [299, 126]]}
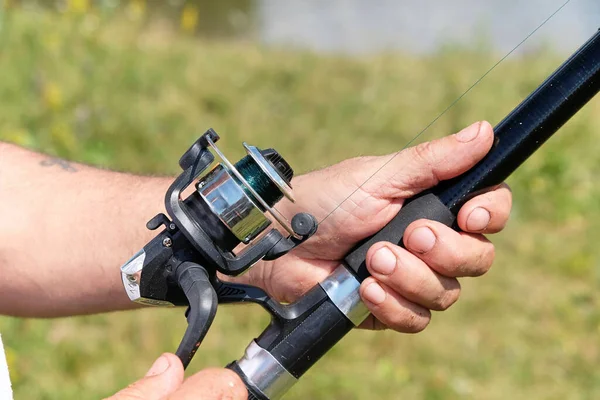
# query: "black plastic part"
{"points": [[427, 206], [278, 162], [253, 392], [281, 248], [157, 221], [304, 224], [284, 317], [287, 318], [191, 157], [154, 283], [195, 283], [311, 339]]}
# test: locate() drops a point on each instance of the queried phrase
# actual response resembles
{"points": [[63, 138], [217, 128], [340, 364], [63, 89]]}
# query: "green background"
{"points": [[120, 89]]}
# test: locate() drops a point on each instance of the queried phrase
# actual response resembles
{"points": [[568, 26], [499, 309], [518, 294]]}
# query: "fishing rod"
{"points": [[227, 210]]}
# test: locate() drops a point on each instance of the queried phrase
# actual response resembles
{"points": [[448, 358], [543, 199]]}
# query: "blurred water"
{"points": [[359, 26]]}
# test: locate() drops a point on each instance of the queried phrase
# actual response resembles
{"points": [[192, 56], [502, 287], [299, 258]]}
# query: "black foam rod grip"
{"points": [[427, 206]]}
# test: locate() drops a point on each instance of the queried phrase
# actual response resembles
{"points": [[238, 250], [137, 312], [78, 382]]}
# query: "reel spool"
{"points": [[240, 194], [229, 206]]}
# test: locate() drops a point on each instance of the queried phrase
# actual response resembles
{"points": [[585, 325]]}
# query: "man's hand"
{"points": [[164, 381], [406, 283], [77, 264]]}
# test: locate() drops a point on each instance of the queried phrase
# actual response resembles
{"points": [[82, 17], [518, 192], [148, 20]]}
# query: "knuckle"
{"points": [[424, 152], [429, 155], [413, 322], [486, 259], [456, 262], [490, 255], [418, 323], [446, 299]]}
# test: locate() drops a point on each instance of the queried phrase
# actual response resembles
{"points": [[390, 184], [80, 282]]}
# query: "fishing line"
{"points": [[448, 108]]}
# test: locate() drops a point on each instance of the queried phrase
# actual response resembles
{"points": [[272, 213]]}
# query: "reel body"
{"points": [[227, 208]]}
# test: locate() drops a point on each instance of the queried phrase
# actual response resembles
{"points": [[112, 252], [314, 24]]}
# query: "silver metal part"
{"points": [[265, 372], [276, 214], [342, 287], [232, 205], [167, 242], [268, 169], [131, 274]]}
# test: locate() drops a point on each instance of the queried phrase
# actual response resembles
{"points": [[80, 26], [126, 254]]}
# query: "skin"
{"points": [[75, 209]]}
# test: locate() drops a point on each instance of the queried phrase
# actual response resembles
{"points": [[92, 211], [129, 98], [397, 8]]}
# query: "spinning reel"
{"points": [[228, 209]]}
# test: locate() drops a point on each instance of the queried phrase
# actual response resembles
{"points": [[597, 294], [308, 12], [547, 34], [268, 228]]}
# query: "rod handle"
{"points": [[426, 206]]}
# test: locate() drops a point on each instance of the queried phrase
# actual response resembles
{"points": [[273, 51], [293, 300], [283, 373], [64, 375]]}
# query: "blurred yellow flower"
{"points": [[189, 18], [52, 96], [136, 8], [78, 6]]}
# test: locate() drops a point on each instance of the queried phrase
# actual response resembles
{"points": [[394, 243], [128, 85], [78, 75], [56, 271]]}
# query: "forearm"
{"points": [[65, 229]]}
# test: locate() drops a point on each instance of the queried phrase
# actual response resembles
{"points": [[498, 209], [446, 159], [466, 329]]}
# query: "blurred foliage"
{"points": [[114, 88]]}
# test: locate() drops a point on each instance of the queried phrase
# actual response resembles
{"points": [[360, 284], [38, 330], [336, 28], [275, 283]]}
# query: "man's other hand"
{"points": [[164, 381]]}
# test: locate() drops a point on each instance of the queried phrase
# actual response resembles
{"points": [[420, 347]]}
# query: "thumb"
{"points": [[418, 168], [163, 378]]}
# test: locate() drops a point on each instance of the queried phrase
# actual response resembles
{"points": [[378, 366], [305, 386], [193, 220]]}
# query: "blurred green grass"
{"points": [[118, 91]]}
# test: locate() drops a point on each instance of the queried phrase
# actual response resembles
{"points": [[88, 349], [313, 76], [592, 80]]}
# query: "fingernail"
{"points": [[374, 293], [478, 220], [470, 133], [383, 261], [421, 240], [159, 366]]}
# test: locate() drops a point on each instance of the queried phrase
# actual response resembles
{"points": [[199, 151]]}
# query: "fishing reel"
{"points": [[222, 226]]}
